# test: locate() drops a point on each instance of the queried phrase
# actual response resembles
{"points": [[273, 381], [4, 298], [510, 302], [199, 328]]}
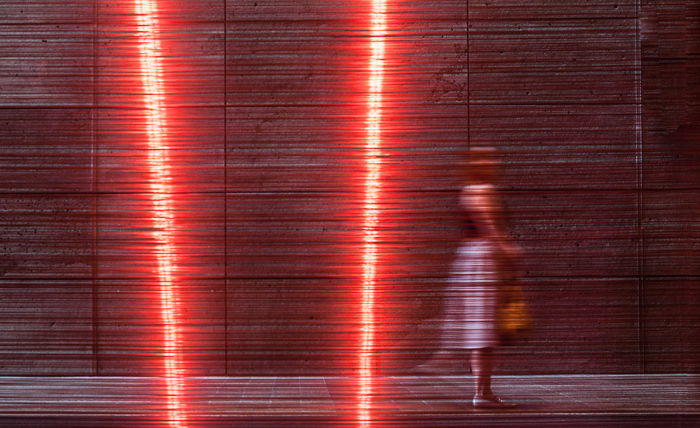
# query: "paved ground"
{"points": [[426, 401]]}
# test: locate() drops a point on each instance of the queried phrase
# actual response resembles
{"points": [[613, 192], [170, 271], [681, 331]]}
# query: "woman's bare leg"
{"points": [[442, 360], [482, 367]]}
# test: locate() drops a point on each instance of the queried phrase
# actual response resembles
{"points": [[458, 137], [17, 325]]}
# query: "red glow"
{"points": [[162, 208], [371, 210]]}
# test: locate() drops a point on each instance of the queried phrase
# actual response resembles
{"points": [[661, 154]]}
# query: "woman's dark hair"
{"points": [[477, 158]]}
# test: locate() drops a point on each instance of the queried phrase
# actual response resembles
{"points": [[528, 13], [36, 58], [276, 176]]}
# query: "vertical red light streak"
{"points": [[371, 210], [161, 189]]}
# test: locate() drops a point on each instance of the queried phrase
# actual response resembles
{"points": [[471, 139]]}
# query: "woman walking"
{"points": [[485, 259]]}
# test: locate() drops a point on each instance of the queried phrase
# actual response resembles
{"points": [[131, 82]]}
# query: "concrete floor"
{"points": [[426, 401]]}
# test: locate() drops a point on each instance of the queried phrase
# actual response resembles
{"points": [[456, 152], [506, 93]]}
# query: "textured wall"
{"points": [[592, 105], [670, 36]]}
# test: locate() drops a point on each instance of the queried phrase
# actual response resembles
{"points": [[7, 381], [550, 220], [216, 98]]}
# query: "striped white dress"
{"points": [[470, 307]]}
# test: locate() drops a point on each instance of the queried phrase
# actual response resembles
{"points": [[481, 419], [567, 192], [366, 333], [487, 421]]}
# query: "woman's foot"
{"points": [[491, 402]]}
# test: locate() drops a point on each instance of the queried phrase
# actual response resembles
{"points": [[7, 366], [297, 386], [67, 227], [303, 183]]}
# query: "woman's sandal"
{"points": [[491, 402]]}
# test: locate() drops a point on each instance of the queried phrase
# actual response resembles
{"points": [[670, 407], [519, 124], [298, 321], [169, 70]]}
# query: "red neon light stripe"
{"points": [[161, 190], [371, 210]]}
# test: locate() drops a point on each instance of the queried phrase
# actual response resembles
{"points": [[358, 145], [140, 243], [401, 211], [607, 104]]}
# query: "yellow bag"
{"points": [[512, 316]]}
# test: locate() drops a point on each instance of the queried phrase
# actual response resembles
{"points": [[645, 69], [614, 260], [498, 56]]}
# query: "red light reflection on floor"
{"points": [[371, 210], [163, 211]]}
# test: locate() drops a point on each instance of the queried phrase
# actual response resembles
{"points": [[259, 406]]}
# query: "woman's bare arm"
{"points": [[487, 213]]}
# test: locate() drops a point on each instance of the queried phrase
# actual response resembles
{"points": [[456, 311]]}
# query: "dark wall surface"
{"points": [[593, 108]]}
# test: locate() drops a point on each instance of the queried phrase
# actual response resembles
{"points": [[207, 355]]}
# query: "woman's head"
{"points": [[482, 165]]}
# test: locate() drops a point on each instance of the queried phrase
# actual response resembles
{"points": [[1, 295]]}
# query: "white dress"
{"points": [[471, 300]]}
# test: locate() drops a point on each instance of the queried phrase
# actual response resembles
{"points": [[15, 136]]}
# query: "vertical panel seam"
{"points": [[226, 303], [95, 192], [639, 137], [469, 96]]}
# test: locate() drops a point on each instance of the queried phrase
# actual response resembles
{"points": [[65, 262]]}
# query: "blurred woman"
{"points": [[485, 259]]}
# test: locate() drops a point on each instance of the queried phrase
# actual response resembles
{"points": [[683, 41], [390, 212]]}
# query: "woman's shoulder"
{"points": [[476, 190], [478, 187], [476, 196]]}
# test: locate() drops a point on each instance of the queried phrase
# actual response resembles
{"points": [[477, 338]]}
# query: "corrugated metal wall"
{"points": [[593, 107]]}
